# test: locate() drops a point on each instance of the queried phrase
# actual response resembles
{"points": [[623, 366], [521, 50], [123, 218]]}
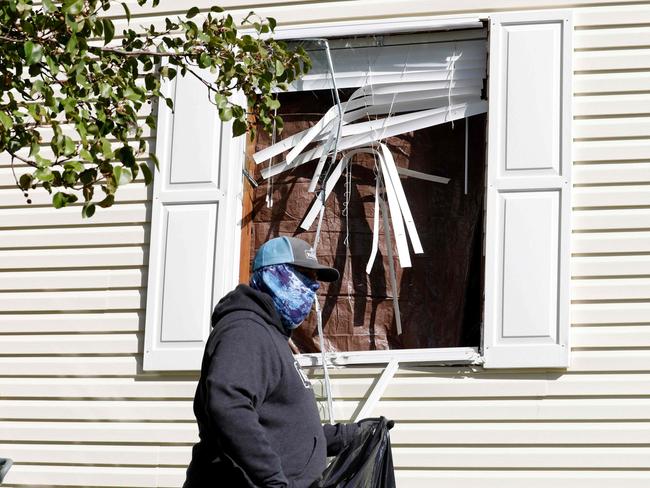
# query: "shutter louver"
{"points": [[528, 194]]}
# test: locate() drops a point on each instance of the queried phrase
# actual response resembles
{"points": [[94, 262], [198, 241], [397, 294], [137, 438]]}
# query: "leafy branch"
{"points": [[75, 99]]}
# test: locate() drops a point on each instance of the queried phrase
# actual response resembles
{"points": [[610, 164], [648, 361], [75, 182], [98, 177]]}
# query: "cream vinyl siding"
{"points": [[77, 410]]}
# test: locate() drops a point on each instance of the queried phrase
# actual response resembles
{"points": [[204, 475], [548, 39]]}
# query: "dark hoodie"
{"points": [[258, 421]]}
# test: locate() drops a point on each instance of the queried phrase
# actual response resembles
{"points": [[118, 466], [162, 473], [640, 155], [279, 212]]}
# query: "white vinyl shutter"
{"points": [[528, 193], [194, 244]]}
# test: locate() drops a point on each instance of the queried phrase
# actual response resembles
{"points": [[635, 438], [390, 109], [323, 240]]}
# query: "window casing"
{"points": [[517, 184]]}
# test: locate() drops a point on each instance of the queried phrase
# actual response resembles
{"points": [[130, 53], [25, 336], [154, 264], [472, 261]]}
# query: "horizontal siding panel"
{"points": [[127, 432], [611, 289], [65, 280], [75, 236], [611, 150], [449, 478], [611, 173], [9, 174], [612, 127], [610, 38], [610, 242], [96, 388], [536, 433], [611, 219], [96, 410], [621, 336], [71, 344], [35, 475], [610, 313], [588, 83], [68, 129], [612, 15], [47, 153], [623, 59], [620, 104], [72, 300], [610, 265], [522, 409], [77, 322], [133, 213], [13, 197], [612, 196], [86, 454], [70, 366], [610, 361], [521, 457], [73, 258], [483, 385], [312, 12]]}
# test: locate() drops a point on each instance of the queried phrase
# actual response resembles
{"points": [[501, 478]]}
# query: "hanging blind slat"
{"points": [[423, 60]]}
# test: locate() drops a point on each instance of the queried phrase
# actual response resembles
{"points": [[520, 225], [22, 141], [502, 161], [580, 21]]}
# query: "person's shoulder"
{"points": [[244, 326]]}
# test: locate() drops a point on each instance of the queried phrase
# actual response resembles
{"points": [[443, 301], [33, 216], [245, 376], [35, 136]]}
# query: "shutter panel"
{"points": [[528, 195], [193, 226]]}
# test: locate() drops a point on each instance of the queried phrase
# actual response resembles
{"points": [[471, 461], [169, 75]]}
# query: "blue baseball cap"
{"points": [[291, 250]]}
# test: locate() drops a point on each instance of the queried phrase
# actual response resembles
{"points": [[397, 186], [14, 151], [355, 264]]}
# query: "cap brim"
{"points": [[323, 273]]}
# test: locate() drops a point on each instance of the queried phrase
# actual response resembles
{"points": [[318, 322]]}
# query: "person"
{"points": [[258, 420]]}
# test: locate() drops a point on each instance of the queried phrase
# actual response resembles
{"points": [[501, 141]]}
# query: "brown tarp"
{"points": [[441, 294]]}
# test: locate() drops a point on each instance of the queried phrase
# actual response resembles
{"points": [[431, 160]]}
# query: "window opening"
{"points": [[413, 177]]}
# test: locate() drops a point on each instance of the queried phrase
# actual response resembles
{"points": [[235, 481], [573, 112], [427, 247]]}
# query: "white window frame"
{"points": [[233, 163], [439, 356]]}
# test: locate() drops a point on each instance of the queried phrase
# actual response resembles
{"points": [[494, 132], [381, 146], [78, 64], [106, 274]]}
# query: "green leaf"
{"points": [[74, 166], [69, 146], [85, 155], [88, 210], [216, 9], [87, 176], [73, 7], [44, 174], [107, 151], [49, 5], [192, 12], [146, 172], [127, 12], [71, 46], [122, 175], [225, 114], [25, 181], [61, 199], [154, 158], [204, 60], [109, 30], [88, 192], [239, 127], [107, 201], [33, 52], [6, 120]]}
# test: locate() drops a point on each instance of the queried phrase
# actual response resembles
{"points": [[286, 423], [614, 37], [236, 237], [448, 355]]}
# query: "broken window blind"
{"points": [[403, 83]]}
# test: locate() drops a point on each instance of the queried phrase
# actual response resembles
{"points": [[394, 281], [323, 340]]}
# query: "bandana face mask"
{"points": [[292, 292]]}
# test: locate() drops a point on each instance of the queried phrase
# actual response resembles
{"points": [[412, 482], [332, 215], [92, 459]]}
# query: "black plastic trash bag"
{"points": [[5, 464], [366, 462]]}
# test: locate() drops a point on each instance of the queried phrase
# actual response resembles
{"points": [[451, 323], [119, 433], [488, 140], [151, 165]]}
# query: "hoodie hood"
{"points": [[246, 299]]}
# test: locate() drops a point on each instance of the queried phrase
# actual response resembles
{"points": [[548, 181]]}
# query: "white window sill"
{"points": [[441, 356]]}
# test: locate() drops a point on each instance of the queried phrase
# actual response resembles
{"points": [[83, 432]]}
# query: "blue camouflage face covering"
{"points": [[292, 292]]}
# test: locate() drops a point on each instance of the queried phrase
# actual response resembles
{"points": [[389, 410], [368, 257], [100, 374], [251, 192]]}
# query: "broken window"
{"points": [[387, 135]]}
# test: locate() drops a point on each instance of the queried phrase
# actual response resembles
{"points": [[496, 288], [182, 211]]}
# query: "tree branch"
{"points": [[120, 52]]}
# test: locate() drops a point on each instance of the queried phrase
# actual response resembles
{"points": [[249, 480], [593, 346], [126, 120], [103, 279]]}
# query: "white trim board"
{"points": [[370, 27], [442, 355]]}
